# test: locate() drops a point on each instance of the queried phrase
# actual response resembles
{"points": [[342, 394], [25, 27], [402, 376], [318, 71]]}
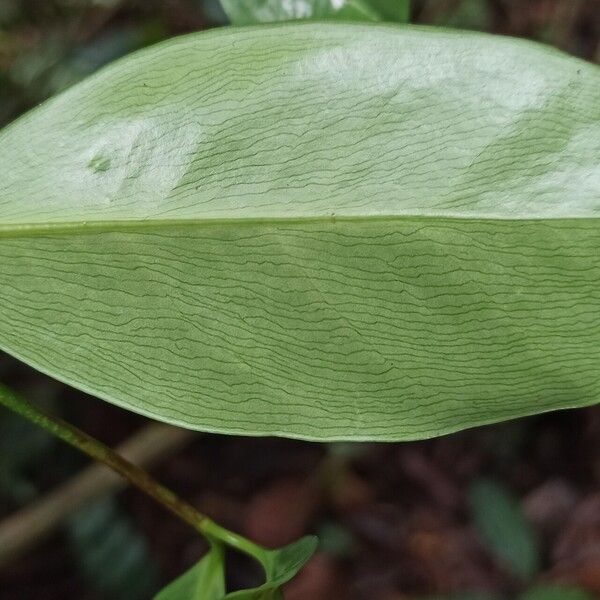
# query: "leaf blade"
{"points": [[218, 266]]}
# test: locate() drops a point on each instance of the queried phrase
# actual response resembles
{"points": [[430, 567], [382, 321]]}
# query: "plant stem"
{"points": [[135, 475]]}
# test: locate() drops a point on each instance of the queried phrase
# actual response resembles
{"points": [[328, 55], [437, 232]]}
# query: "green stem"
{"points": [[136, 476]]}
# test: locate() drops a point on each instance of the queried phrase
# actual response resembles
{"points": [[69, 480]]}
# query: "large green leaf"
{"points": [[323, 231], [248, 12]]}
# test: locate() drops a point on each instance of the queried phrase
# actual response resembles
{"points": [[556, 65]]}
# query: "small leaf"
{"points": [[280, 566], [504, 528], [204, 581], [556, 593]]}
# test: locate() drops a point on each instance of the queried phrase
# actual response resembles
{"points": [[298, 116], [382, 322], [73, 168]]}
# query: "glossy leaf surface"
{"points": [[325, 231]]}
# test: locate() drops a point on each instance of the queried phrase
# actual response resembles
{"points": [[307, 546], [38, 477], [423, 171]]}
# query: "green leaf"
{"points": [[204, 581], [323, 231], [556, 593], [280, 566], [504, 528], [266, 11]]}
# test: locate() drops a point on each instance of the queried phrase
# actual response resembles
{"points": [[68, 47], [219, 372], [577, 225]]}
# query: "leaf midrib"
{"points": [[82, 227]]}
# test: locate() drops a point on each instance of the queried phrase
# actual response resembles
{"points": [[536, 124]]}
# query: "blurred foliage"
{"points": [[502, 525], [538, 593], [555, 593], [466, 596], [22, 444], [336, 540], [511, 539], [469, 14], [112, 555]]}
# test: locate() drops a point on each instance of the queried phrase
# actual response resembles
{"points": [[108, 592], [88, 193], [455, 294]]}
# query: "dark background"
{"points": [[396, 521]]}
